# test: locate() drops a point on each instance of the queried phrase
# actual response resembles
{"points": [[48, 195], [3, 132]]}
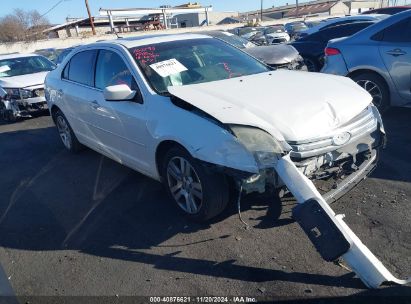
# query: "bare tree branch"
{"points": [[22, 26]]}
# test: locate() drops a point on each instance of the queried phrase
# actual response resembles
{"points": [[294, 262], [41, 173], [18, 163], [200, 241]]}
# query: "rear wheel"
{"points": [[377, 88], [6, 114], [67, 135], [312, 64], [197, 191]]}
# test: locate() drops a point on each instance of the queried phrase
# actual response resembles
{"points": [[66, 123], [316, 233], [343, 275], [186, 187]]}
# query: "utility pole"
{"points": [[91, 18], [261, 11], [296, 8]]}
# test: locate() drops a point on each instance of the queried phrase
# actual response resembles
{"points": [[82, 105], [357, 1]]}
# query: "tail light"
{"points": [[329, 51]]}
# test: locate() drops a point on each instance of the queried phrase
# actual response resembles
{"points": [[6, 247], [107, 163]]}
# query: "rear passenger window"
{"points": [[399, 32], [81, 67], [111, 70]]}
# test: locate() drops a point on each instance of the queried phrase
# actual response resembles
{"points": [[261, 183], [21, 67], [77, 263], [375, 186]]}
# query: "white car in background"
{"points": [[201, 115], [22, 84], [276, 34]]}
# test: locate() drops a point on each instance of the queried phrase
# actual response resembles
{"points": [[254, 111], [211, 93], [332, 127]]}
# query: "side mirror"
{"points": [[120, 92]]}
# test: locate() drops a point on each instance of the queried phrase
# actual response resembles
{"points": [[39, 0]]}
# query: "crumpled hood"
{"points": [[23, 81], [274, 54], [290, 105]]}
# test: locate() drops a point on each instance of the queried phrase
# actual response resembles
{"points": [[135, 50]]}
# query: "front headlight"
{"points": [[265, 148], [18, 93], [13, 93]]}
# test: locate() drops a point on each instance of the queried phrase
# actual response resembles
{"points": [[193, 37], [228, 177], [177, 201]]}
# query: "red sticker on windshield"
{"points": [[146, 54]]}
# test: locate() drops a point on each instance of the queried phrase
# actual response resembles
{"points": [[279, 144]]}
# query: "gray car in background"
{"points": [[378, 58], [276, 55]]}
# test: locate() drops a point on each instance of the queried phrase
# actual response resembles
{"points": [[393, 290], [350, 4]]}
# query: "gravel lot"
{"points": [[85, 225]]}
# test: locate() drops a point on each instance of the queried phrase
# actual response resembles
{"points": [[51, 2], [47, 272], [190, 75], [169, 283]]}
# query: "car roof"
{"points": [[347, 18], [376, 27], [135, 41], [388, 8], [337, 26], [17, 55]]}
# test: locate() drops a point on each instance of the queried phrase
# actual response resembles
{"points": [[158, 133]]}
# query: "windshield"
{"points": [[24, 65], [185, 62], [246, 30], [299, 26], [296, 26], [235, 40]]}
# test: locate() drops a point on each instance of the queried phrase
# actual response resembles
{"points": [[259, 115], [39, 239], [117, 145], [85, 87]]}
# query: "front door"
{"points": [[395, 50], [119, 126]]}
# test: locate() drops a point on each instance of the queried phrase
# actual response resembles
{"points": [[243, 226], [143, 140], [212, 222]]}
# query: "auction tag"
{"points": [[168, 67]]}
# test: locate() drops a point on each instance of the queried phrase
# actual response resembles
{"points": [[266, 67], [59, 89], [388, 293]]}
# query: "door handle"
{"points": [[396, 52], [94, 104]]}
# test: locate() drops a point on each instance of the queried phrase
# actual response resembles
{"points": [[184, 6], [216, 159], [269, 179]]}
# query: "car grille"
{"points": [[363, 124]]}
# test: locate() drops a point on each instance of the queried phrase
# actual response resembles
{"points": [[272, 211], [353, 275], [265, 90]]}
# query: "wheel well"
{"points": [[358, 72], [53, 111], [162, 149]]}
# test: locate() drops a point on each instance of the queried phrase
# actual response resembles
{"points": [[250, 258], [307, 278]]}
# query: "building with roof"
{"points": [[320, 9], [81, 27], [317, 8]]}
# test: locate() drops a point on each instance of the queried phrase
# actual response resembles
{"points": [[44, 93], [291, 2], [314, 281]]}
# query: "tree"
{"points": [[22, 26]]}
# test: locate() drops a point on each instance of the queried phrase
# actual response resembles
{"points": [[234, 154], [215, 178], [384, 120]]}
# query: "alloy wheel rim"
{"points": [[185, 185], [374, 90], [64, 131]]}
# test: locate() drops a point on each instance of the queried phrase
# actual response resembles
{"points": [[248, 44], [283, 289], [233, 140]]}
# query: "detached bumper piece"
{"points": [[321, 230], [328, 232]]}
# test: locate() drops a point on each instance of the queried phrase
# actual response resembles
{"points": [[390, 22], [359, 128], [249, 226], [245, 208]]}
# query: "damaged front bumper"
{"points": [[334, 169], [11, 109], [328, 232]]}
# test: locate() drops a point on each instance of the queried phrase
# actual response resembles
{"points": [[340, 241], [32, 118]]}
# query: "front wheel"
{"points": [[312, 64], [198, 192], [67, 135]]}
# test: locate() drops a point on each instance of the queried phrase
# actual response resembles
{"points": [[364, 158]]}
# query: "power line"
{"points": [[53, 7]]}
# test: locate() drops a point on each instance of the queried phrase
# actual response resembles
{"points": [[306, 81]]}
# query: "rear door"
{"points": [[395, 50], [78, 78]]}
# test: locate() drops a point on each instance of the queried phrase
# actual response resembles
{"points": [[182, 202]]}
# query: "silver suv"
{"points": [[378, 58]]}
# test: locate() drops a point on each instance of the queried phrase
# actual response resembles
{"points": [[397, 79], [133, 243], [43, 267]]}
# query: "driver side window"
{"points": [[111, 70]]}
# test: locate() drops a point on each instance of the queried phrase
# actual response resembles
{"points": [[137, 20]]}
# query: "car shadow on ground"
{"points": [[52, 200], [395, 158]]}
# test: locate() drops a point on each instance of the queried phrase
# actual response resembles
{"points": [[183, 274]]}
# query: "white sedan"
{"points": [[202, 116]]}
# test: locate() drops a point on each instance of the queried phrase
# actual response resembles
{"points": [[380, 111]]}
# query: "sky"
{"points": [[76, 8]]}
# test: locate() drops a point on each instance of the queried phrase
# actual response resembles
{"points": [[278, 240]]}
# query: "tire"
{"points": [[312, 64], [199, 193], [6, 114], [66, 133], [377, 87], [9, 116]]}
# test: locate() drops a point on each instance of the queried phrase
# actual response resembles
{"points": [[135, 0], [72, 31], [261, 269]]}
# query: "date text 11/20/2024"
{"points": [[235, 299]]}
